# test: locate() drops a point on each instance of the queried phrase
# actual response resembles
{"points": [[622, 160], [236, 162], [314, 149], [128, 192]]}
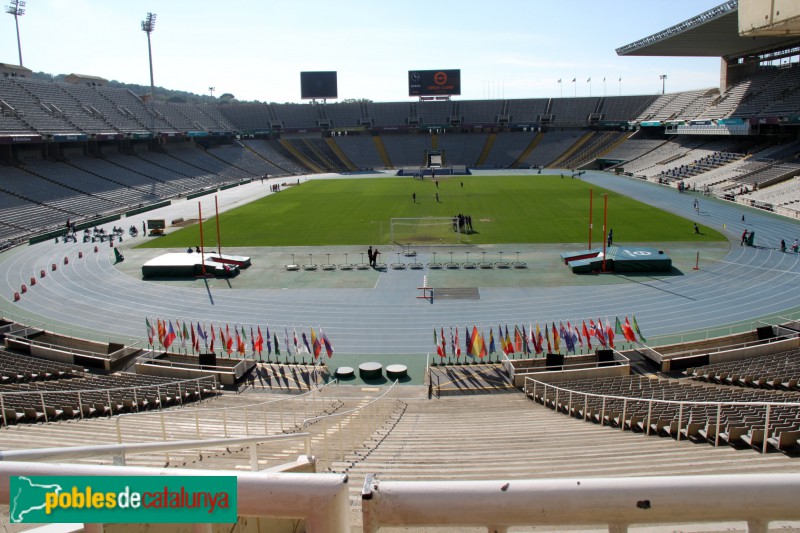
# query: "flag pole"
{"points": [[605, 229], [202, 250], [219, 241], [591, 193]]}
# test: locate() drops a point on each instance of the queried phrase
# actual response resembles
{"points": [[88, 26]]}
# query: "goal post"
{"points": [[424, 230]]}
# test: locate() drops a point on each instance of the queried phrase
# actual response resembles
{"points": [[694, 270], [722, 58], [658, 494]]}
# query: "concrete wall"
{"points": [[151, 368], [558, 376]]}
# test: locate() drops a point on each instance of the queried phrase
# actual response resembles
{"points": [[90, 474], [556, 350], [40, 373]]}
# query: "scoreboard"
{"points": [[318, 85], [434, 82]]}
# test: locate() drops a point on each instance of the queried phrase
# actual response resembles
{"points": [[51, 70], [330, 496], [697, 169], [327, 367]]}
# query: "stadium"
{"points": [[583, 314]]}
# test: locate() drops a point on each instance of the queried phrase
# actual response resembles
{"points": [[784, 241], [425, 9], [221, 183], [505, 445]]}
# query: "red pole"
{"points": [[202, 252], [591, 191], [605, 223], [697, 262], [219, 241]]}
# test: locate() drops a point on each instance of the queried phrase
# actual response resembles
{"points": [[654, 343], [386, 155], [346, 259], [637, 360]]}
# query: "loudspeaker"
{"points": [[765, 332], [208, 359], [605, 357], [554, 361]]}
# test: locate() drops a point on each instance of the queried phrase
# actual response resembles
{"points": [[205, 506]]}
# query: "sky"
{"points": [[256, 50]]}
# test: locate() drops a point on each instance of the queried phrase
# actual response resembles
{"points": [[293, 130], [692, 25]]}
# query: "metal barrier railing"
{"points": [[616, 502], [119, 452], [571, 399], [362, 421], [252, 418], [138, 392]]}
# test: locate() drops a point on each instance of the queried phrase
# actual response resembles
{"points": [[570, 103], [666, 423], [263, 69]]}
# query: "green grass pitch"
{"points": [[504, 209]]}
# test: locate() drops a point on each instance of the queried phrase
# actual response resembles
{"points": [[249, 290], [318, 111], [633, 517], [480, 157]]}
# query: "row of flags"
{"points": [[198, 337], [533, 340]]}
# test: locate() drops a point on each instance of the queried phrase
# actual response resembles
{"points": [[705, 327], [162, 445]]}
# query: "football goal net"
{"points": [[425, 230]]}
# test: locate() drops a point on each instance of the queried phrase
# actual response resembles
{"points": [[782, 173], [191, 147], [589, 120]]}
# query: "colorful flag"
{"points": [[260, 342], [305, 347], [492, 347], [170, 336], [628, 331], [609, 334], [509, 344], [618, 326], [277, 347], [538, 340], [184, 335], [638, 331], [599, 334], [468, 339], [578, 337], [556, 340], [286, 342], [547, 337], [477, 347], [436, 343], [444, 343], [201, 335], [457, 345], [296, 341], [315, 343], [269, 343], [517, 339], [326, 342], [213, 337], [150, 331], [228, 343], [567, 338], [195, 345], [252, 341], [587, 334], [162, 331], [241, 343]]}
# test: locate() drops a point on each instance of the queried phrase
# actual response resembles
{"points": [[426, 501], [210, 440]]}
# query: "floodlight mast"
{"points": [[211, 90], [148, 25], [663, 78], [17, 8]]}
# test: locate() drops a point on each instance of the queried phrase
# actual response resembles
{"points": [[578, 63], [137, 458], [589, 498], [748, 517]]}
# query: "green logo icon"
{"points": [[123, 499]]}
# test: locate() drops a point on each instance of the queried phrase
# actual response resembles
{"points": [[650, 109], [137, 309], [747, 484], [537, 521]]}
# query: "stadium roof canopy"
{"points": [[713, 33]]}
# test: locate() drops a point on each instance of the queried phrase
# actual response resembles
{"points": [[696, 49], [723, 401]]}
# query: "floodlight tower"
{"points": [[663, 78], [17, 8], [148, 25], [211, 90]]}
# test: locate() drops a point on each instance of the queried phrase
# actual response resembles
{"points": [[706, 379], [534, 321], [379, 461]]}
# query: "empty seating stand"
{"points": [[672, 408], [40, 390]]}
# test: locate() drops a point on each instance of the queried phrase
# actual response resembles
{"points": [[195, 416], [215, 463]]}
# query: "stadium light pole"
{"points": [[663, 78], [211, 90], [17, 8], [148, 25]]}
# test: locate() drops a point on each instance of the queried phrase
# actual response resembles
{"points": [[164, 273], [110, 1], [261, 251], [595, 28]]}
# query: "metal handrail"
{"points": [[308, 421], [370, 412], [651, 401], [254, 404], [119, 451], [111, 389], [655, 400]]}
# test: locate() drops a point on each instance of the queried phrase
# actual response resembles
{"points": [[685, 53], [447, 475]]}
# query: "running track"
{"points": [[92, 297]]}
